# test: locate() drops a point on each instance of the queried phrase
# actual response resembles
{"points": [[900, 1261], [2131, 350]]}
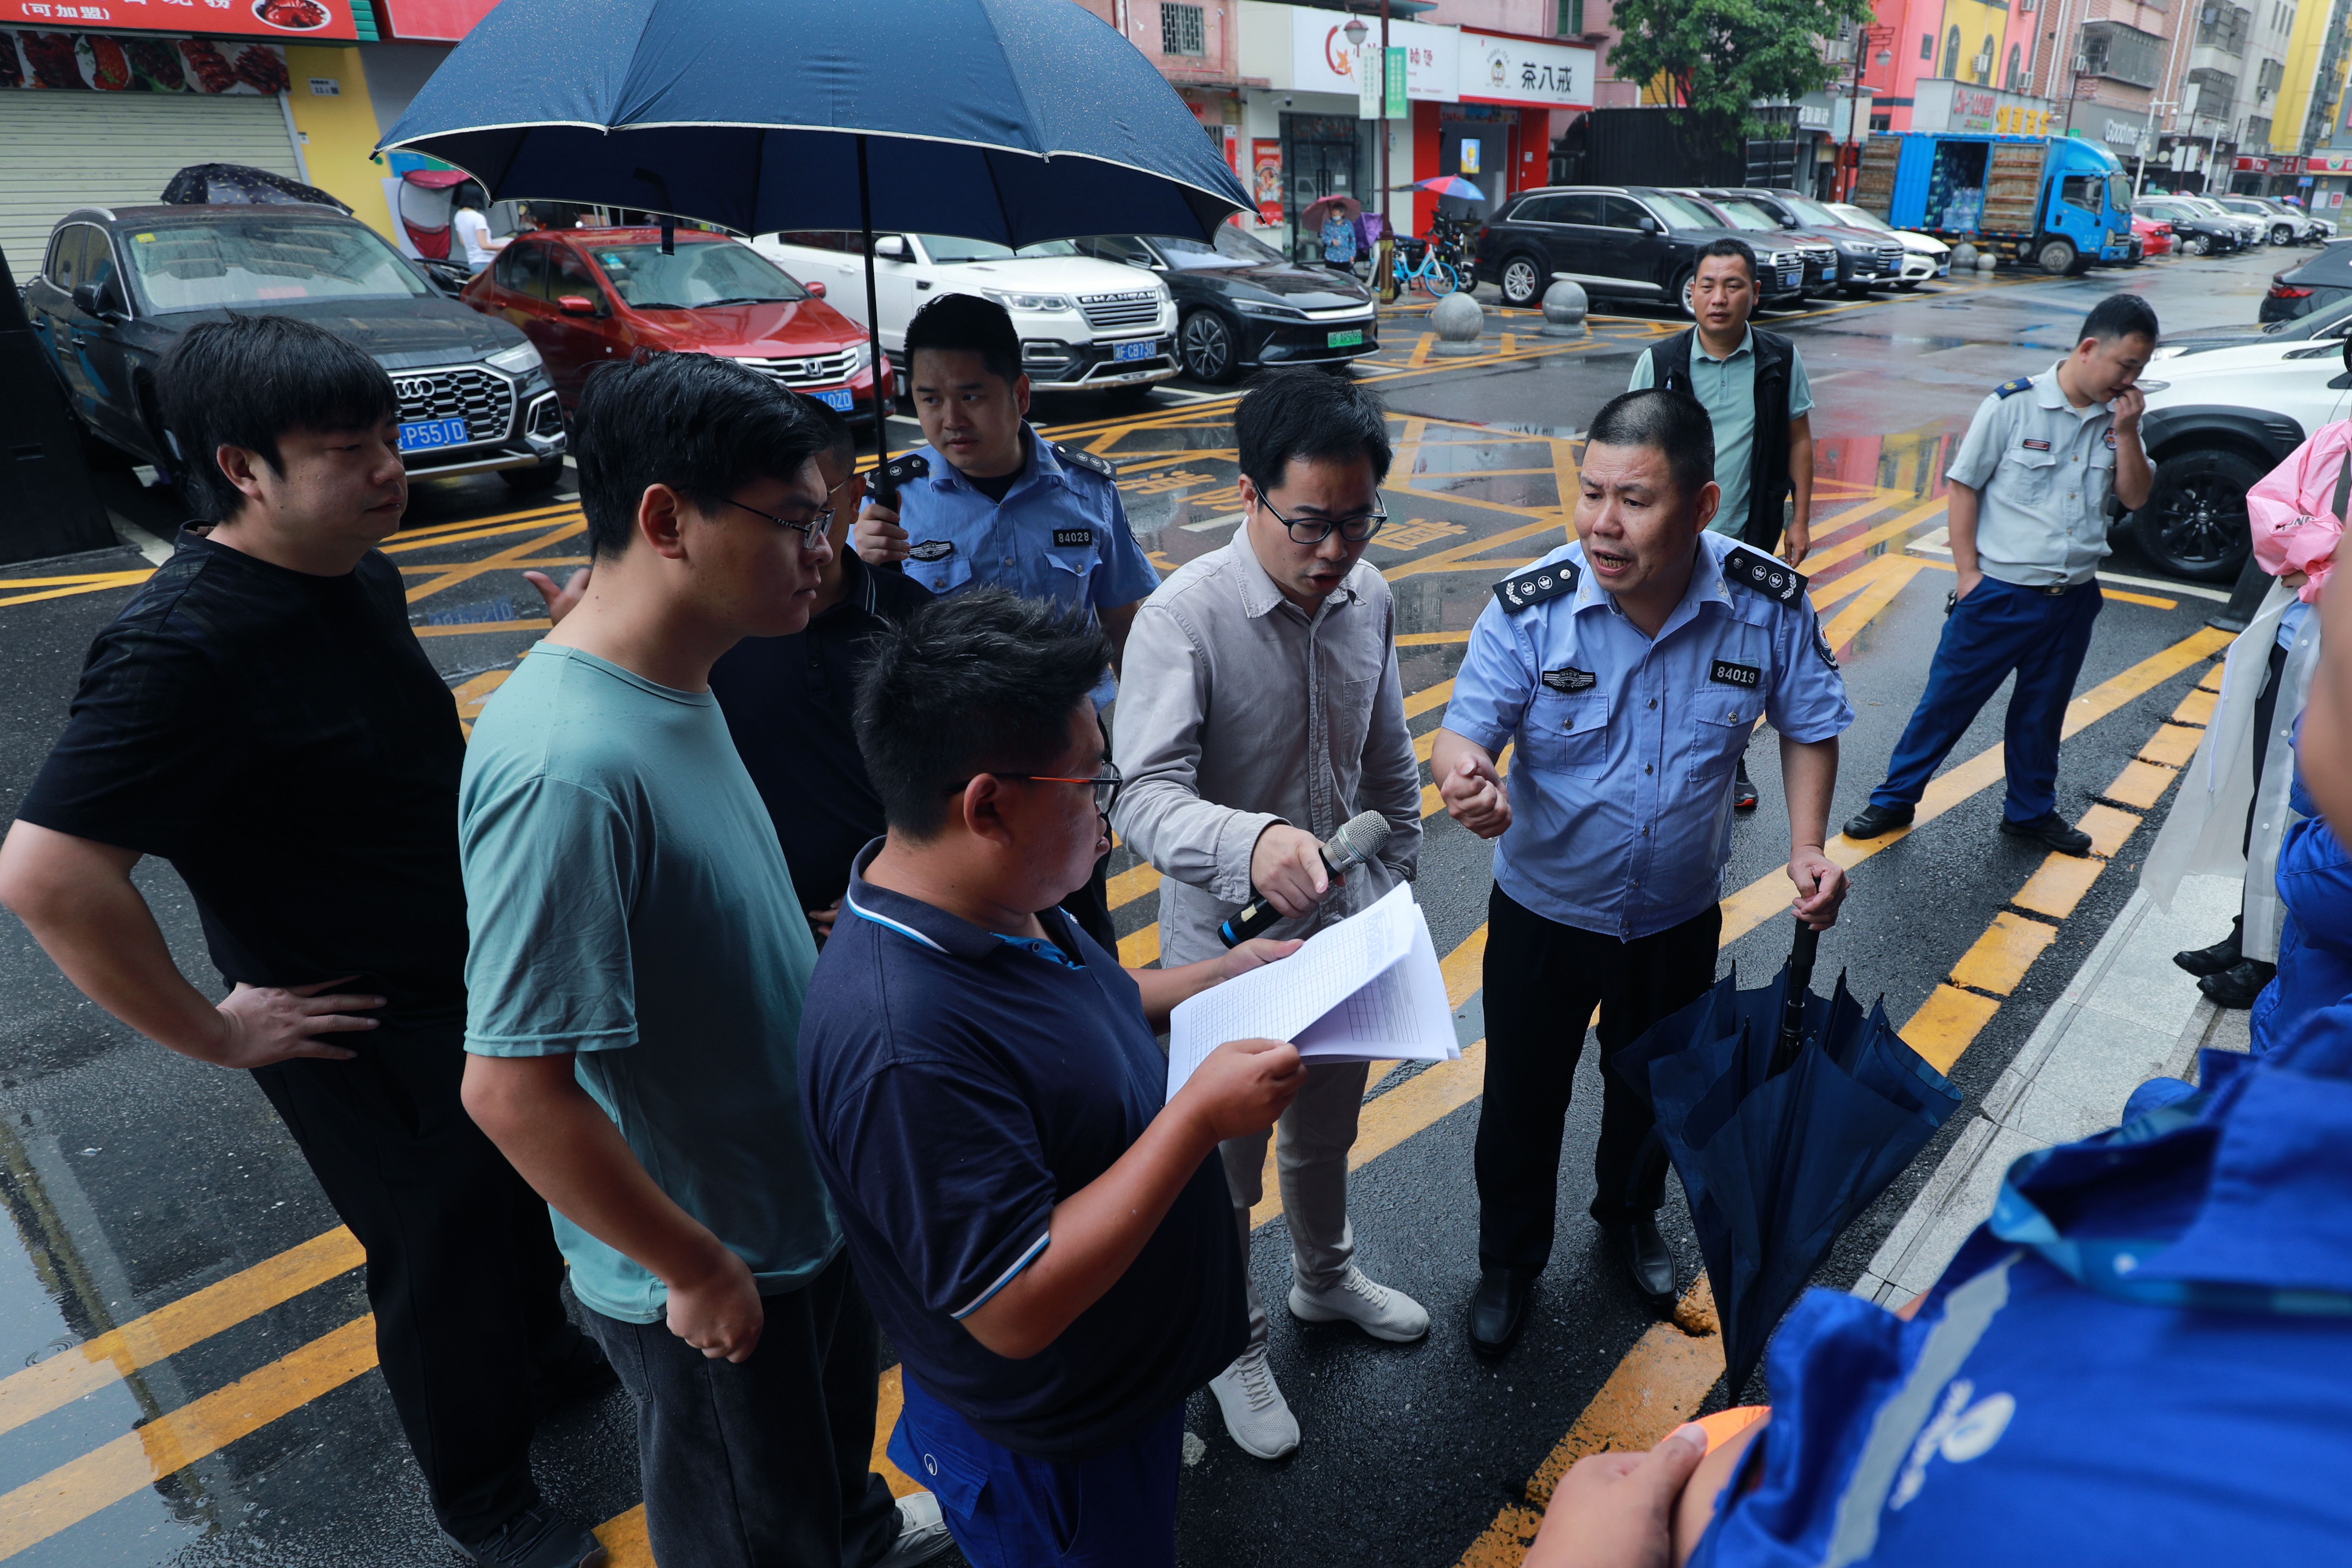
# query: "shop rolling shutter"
{"points": [[67, 149]]}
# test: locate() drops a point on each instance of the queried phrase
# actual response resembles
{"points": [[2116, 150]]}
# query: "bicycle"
{"points": [[1431, 272]]}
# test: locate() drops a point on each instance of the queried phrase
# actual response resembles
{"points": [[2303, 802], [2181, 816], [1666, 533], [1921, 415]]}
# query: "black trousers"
{"points": [[462, 1269], [765, 1463], [1542, 981]]}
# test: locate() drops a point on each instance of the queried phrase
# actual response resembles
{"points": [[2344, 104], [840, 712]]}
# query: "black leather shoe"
{"points": [[1498, 1309], [536, 1537], [2051, 829], [1743, 791], [1649, 1267], [1874, 819], [2238, 985], [2204, 961]]}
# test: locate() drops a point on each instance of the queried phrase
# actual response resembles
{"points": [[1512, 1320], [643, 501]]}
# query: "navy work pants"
{"points": [[1999, 628], [766, 1462], [1543, 980], [1114, 1509]]}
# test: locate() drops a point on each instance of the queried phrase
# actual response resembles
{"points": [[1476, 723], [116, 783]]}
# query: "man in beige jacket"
{"points": [[1259, 708]]}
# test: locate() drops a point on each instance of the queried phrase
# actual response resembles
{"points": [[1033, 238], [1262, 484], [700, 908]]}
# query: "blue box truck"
{"points": [[2058, 201]]}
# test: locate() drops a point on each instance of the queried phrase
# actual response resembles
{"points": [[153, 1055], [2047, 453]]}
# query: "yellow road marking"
{"points": [[2058, 886], [1657, 1386], [86, 579], [1420, 356], [2197, 708], [457, 572], [2172, 744], [2148, 599], [2001, 957], [2141, 783], [1848, 623], [1425, 640], [174, 1327], [1947, 1023], [136, 1461], [125, 581], [475, 628], [1917, 517], [1427, 697], [1445, 559]]}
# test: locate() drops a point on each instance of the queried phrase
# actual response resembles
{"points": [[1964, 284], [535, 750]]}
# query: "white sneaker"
{"points": [[1383, 1313], [922, 1532], [1255, 1412]]}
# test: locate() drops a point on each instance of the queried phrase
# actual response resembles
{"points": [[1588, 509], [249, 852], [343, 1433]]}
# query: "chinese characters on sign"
{"points": [[1265, 172]]}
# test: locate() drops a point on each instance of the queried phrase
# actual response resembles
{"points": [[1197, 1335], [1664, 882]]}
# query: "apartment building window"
{"points": [[2224, 28], [1571, 19], [2122, 54], [1183, 30], [2267, 76]]}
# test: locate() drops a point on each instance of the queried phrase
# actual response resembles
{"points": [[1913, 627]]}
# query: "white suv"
{"points": [[1084, 324], [2219, 418]]}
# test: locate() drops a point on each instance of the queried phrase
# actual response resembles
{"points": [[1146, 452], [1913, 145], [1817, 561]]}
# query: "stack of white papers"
{"points": [[1367, 989]]}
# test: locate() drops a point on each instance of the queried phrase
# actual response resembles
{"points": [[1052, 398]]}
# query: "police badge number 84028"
{"points": [[1532, 588]]}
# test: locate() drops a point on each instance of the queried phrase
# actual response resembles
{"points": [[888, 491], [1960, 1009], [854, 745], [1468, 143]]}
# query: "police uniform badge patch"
{"points": [[1569, 679], [2111, 440], [1064, 538], [1748, 675], [1821, 641], [1091, 462], [1765, 576], [930, 550], [2012, 388], [1530, 588]]}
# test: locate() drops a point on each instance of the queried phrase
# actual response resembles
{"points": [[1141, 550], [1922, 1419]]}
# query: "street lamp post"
{"points": [[1357, 33]]}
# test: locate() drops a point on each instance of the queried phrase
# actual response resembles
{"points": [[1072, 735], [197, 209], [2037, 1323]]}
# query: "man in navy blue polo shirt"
{"points": [[1049, 1245]]}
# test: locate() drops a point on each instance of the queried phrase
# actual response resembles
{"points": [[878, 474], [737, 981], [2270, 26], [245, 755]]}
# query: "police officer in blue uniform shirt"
{"points": [[2029, 528], [1002, 506], [1626, 672]]}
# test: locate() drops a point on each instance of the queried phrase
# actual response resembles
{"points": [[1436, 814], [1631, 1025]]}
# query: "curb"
{"points": [[2129, 1015]]}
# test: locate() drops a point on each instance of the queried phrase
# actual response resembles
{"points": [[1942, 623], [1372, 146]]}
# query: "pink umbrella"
{"points": [[2297, 510]]}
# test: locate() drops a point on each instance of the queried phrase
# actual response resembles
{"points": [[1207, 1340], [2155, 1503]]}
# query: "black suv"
{"points": [[1866, 259], [1633, 242], [117, 285]]}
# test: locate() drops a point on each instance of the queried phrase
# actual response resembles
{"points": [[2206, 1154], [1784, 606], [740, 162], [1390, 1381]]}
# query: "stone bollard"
{"points": [[1964, 257], [1458, 319], [1987, 261], [1563, 308]]}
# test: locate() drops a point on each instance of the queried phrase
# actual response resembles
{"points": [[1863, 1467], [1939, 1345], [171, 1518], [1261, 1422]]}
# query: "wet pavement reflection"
{"points": [[185, 1359]]}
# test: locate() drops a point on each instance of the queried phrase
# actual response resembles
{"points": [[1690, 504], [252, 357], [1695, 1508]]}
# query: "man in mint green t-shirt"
{"points": [[636, 978]]}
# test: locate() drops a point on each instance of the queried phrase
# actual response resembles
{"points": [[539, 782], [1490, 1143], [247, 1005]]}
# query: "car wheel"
{"points": [[1523, 283], [2058, 258], [539, 477], [2194, 524], [1681, 294], [2196, 245], [1209, 349], [2281, 234]]}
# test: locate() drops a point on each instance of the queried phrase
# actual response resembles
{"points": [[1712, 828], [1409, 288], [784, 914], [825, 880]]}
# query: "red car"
{"points": [[583, 296], [2155, 237]]}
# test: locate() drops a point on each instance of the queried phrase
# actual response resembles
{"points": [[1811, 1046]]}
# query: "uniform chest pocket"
{"points": [[1566, 733], [2027, 471], [1721, 724], [1077, 550], [944, 575]]}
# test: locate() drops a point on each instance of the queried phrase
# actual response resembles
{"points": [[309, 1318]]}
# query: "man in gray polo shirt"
{"points": [[1753, 387], [1259, 708], [2029, 528]]}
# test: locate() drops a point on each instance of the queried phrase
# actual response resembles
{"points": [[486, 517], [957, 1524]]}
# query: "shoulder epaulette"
{"points": [[1091, 461], [1516, 594], [2012, 388], [1765, 576]]}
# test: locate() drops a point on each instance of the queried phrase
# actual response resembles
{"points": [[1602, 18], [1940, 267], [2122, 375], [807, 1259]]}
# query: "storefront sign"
{"points": [[2331, 164], [1370, 82], [1322, 60], [1959, 106], [432, 21], [95, 62], [1523, 72], [299, 20], [1397, 82], [2251, 166], [1265, 174], [2123, 133]]}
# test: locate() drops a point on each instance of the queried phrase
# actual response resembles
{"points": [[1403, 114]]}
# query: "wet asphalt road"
{"points": [[238, 1421]]}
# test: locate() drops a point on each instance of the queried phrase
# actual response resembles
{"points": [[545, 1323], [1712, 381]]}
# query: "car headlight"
{"points": [[1048, 303], [864, 351], [1268, 308], [519, 360]]}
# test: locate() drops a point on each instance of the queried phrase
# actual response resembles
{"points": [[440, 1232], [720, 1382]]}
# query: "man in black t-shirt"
{"points": [[261, 716]]}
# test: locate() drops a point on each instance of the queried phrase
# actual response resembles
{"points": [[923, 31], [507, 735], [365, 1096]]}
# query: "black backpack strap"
{"points": [[2343, 484]]}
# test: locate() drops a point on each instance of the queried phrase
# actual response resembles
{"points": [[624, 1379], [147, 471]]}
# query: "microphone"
{"points": [[1359, 839]]}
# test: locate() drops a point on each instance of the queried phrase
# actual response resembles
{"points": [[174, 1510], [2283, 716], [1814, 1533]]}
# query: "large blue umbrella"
{"points": [[1014, 120]]}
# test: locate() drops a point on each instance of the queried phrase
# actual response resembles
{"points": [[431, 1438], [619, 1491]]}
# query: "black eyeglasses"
{"points": [[1105, 788], [1314, 530], [809, 531]]}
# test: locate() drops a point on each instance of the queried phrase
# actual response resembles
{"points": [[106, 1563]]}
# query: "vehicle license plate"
{"points": [[1147, 349], [426, 433], [1352, 338], [1793, 279], [839, 397]]}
